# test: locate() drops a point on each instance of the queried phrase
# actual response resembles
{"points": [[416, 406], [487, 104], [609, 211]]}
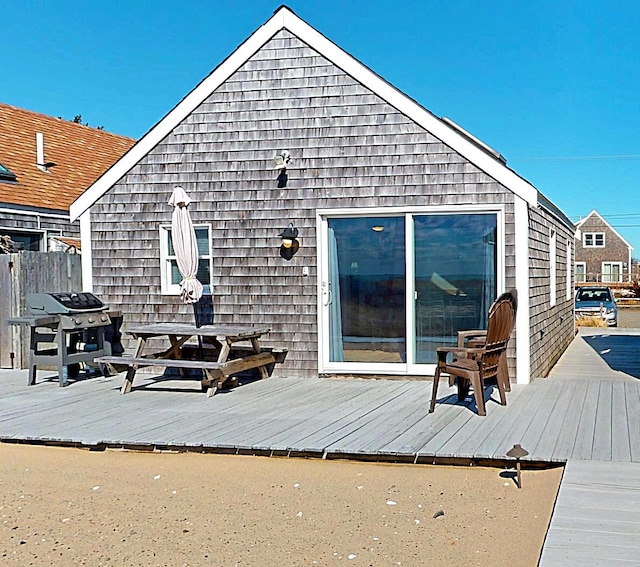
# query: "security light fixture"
{"points": [[282, 159], [289, 236]]}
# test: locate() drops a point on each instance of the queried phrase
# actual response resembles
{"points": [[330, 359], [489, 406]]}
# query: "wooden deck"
{"points": [[587, 410]]}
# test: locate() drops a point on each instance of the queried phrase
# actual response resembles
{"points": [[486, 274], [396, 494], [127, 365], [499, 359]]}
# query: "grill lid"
{"points": [[64, 302]]}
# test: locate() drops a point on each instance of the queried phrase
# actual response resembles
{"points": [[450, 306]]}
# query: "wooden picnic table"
{"points": [[220, 338]]}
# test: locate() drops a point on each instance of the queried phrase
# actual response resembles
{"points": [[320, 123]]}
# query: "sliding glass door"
{"points": [[454, 278], [394, 288], [367, 278]]}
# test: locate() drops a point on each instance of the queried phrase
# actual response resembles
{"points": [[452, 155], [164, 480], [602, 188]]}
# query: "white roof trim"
{"points": [[285, 18], [594, 212]]}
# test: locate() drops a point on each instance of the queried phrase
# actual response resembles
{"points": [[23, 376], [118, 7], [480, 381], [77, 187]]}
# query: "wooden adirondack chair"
{"points": [[472, 366], [477, 338]]}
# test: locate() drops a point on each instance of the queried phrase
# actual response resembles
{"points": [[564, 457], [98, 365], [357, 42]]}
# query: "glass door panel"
{"points": [[455, 278], [367, 289]]}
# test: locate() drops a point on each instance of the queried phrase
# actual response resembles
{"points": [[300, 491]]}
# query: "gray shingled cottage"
{"points": [[408, 226]]}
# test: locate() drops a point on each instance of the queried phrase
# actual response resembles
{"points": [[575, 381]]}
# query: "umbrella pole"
{"points": [[196, 316]]}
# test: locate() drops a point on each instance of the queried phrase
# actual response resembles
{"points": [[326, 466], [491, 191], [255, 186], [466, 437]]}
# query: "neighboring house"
{"points": [[45, 164], [602, 255], [408, 226]]}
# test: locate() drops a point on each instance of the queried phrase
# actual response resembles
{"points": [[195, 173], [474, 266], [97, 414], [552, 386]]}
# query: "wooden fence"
{"points": [[30, 272]]}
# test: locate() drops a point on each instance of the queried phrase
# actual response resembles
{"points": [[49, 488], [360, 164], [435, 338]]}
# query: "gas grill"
{"points": [[67, 330]]}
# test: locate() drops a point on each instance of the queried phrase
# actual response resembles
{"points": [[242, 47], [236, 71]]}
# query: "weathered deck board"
{"points": [[596, 520], [632, 399], [555, 422], [584, 436], [566, 438]]}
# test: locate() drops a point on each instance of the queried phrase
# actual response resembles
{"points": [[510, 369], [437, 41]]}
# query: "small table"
{"points": [[215, 373]]}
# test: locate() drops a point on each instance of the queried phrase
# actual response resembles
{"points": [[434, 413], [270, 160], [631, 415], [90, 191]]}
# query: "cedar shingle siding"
{"points": [[551, 327], [349, 149]]}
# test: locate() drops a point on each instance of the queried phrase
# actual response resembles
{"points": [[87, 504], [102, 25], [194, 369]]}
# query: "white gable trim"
{"points": [[594, 212], [285, 18]]}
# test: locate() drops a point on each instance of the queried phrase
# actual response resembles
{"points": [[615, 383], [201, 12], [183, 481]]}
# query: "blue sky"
{"points": [[552, 85]]}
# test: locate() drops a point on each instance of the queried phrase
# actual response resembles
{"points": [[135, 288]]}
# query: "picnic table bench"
{"points": [[223, 339]]}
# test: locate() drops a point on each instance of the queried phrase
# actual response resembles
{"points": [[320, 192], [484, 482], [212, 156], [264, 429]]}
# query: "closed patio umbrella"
{"points": [[185, 245]]}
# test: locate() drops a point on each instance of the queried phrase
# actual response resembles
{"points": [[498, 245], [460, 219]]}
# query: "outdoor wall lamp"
{"points": [[282, 159], [289, 244], [289, 236]]}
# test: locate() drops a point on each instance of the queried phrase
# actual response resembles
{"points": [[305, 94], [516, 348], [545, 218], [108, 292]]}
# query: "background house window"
{"points": [[611, 272], [593, 240], [170, 274], [553, 272], [32, 241], [568, 272], [581, 271]]}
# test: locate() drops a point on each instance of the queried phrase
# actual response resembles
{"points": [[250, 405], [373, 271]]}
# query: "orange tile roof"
{"points": [[81, 155]]}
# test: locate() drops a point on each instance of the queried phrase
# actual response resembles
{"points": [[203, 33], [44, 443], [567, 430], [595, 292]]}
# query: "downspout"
{"points": [[523, 339]]}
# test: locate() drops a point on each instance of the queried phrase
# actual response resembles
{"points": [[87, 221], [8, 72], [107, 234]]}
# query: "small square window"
{"points": [[170, 274], [593, 240]]}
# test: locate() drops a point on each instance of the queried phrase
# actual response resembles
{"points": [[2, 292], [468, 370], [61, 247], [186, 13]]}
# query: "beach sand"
{"points": [[66, 506]]}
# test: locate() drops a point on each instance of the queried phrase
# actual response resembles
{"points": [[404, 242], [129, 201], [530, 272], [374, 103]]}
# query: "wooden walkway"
{"points": [[596, 520], [587, 410]]}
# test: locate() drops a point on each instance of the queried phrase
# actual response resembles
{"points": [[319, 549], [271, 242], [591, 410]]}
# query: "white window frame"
{"points": [[602, 273], [593, 237], [166, 287], [569, 273], [43, 241], [325, 366], [553, 268], [584, 272]]}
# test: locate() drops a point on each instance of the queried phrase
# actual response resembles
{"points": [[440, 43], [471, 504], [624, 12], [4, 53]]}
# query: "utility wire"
{"points": [[576, 158]]}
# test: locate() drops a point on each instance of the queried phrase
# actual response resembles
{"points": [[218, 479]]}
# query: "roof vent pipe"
{"points": [[40, 163], [40, 151]]}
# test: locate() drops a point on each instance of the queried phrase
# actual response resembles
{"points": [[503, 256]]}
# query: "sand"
{"points": [[67, 506]]}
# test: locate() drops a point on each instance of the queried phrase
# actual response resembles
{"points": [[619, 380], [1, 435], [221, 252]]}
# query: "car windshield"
{"points": [[594, 295]]}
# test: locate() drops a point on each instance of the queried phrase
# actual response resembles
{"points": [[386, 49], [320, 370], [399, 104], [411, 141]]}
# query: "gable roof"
{"points": [[596, 213], [80, 154], [458, 139]]}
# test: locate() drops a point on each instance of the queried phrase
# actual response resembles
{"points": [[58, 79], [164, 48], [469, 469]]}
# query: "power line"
{"points": [[576, 158]]}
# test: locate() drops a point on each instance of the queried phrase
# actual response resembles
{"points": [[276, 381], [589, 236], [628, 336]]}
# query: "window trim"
{"points": [[553, 268], [569, 274], [166, 287], [610, 263], [594, 236]]}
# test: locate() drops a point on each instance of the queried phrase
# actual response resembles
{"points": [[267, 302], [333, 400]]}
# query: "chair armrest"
{"points": [[463, 336], [442, 352]]}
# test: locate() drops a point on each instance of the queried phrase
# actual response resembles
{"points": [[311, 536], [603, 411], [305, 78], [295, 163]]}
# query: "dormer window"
{"points": [[6, 174]]}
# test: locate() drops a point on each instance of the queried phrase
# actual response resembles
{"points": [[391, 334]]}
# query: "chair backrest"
{"points": [[502, 319]]}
